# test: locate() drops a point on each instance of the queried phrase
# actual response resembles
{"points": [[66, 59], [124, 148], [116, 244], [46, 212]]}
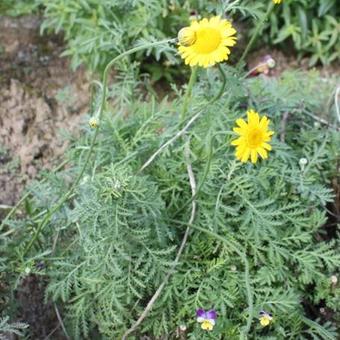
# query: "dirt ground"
{"points": [[40, 97]]}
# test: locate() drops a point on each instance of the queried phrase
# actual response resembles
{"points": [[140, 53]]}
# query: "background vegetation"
{"points": [[96, 31], [260, 239]]}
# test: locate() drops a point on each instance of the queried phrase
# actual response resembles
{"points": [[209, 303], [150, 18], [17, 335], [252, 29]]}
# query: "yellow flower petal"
{"points": [[245, 155], [237, 130], [237, 141], [241, 123], [263, 153], [253, 117], [253, 156], [207, 325], [266, 146], [264, 122]]}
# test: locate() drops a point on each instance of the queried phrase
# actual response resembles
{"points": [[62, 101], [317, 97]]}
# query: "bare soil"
{"points": [[40, 97]]}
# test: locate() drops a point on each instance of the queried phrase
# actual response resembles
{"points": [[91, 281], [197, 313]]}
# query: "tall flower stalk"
{"points": [[188, 93], [70, 192]]}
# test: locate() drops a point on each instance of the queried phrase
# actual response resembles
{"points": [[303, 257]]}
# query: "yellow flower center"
{"points": [[255, 138], [208, 39], [207, 325]]}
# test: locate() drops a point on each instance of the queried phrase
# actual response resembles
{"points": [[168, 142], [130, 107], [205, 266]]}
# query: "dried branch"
{"points": [[336, 101], [61, 322], [171, 140], [283, 126]]}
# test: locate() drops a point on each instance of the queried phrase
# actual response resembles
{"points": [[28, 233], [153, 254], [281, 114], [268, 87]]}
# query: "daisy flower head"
{"points": [[253, 139], [277, 1], [206, 42], [265, 318], [206, 319]]}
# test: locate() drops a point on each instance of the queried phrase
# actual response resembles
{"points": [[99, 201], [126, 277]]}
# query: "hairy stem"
{"points": [[70, 192], [190, 122], [188, 93]]}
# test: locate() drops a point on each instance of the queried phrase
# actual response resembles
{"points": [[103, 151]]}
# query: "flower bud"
{"points": [[303, 162], [233, 268], [93, 122], [270, 62], [334, 279], [186, 36], [183, 328]]}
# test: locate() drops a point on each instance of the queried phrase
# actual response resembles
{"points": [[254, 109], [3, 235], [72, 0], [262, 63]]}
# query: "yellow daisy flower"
{"points": [[277, 1], [206, 42], [253, 138]]}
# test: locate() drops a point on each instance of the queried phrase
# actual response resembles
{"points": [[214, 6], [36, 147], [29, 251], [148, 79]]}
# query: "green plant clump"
{"points": [[96, 31], [255, 237], [153, 217], [312, 26]]}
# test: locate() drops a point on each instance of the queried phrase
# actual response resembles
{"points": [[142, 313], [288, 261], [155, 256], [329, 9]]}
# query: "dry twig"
{"points": [[61, 322], [171, 140], [283, 126]]}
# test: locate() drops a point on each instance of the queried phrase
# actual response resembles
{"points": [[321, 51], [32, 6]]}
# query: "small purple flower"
{"points": [[206, 319]]}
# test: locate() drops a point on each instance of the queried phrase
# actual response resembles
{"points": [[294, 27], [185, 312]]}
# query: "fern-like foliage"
{"points": [[114, 242], [9, 329]]}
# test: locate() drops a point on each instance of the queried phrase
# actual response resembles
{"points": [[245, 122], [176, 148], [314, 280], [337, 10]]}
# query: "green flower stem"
{"points": [[224, 82], [189, 123], [69, 193], [188, 93], [246, 273], [256, 33]]}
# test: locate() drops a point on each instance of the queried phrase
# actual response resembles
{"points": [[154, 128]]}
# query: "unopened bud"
{"points": [[334, 279], [183, 328], [93, 122], [233, 268], [271, 63], [303, 162], [186, 36]]}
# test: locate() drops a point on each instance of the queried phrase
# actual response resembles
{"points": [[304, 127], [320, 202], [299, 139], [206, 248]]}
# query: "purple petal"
{"points": [[200, 313], [211, 314]]}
